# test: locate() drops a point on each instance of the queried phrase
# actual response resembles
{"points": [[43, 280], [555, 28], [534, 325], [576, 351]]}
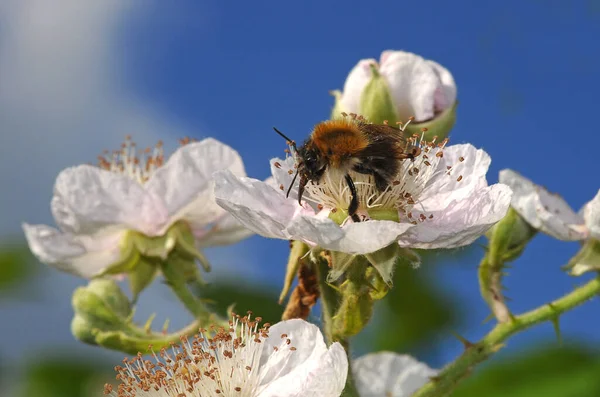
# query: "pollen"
{"points": [[223, 361], [137, 164]]}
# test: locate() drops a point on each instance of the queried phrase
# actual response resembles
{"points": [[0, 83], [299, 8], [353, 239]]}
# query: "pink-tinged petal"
{"points": [[543, 210], [461, 222], [389, 374], [413, 84], [591, 214], [257, 205], [311, 370], [352, 238], [355, 83], [445, 95], [185, 182], [226, 230], [84, 256], [468, 167], [88, 199]]}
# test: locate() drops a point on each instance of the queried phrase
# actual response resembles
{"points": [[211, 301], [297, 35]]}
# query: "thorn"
{"points": [[165, 326], [462, 340], [556, 324], [507, 299], [148, 325], [488, 318], [435, 379]]}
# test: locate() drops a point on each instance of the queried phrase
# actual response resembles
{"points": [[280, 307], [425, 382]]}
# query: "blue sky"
{"points": [[81, 76]]}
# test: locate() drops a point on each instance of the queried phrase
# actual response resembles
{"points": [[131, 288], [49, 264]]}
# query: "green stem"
{"points": [[452, 374], [196, 307], [329, 297], [490, 284], [329, 304]]}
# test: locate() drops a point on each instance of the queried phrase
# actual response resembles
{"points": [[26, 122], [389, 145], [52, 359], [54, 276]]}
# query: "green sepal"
{"points": [[129, 256], [439, 126], [298, 250], [340, 262], [182, 234], [587, 259], [376, 102], [142, 276], [356, 306], [384, 261]]}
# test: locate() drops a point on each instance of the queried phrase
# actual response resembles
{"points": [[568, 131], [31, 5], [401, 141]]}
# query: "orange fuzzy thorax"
{"points": [[339, 140]]}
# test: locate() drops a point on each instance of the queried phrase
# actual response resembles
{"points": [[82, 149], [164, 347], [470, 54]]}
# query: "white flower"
{"points": [[440, 200], [418, 87], [389, 374], [549, 212], [287, 359], [97, 208]]}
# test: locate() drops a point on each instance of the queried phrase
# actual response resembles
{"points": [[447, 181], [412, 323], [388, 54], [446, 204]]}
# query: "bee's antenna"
{"points": [[291, 184], [289, 141]]}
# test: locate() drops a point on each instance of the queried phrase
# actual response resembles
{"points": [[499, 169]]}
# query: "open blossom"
{"points": [[106, 214], [400, 86], [288, 359], [549, 212], [439, 200], [388, 374]]}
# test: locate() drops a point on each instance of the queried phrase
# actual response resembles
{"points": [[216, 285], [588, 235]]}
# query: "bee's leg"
{"points": [[353, 207]]}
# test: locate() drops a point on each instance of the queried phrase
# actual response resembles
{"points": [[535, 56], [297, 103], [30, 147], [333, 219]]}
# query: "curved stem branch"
{"points": [[490, 284], [453, 373]]}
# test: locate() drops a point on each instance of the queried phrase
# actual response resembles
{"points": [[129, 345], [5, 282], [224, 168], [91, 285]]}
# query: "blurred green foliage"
{"points": [[16, 265], [548, 371], [64, 377], [260, 299]]}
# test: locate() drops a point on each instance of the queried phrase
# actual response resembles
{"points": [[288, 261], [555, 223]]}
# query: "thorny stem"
{"points": [[329, 304], [490, 284], [475, 353]]}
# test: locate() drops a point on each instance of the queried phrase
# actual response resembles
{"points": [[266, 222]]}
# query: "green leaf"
{"points": [[545, 371], [414, 312], [260, 299], [16, 265]]}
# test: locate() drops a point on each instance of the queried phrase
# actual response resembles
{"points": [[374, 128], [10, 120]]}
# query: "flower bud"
{"points": [[508, 238], [99, 306], [400, 87]]}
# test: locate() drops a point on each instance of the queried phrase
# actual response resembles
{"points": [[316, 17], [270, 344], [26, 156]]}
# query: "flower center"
{"points": [[217, 362], [397, 201], [139, 165]]}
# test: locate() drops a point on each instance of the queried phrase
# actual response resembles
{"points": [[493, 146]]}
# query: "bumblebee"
{"points": [[351, 145]]}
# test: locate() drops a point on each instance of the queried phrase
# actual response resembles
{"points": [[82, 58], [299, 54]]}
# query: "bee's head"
{"points": [[312, 163]]}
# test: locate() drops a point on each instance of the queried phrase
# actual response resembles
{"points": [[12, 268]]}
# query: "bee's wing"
{"points": [[386, 140]]}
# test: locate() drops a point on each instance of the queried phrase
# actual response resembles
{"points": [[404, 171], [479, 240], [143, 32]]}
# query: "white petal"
{"points": [[389, 374], [83, 256], [542, 210], [283, 177], [311, 370], [461, 222], [445, 186], [356, 82], [352, 238], [88, 199], [226, 230], [185, 182], [445, 95], [256, 204], [413, 83], [591, 214]]}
